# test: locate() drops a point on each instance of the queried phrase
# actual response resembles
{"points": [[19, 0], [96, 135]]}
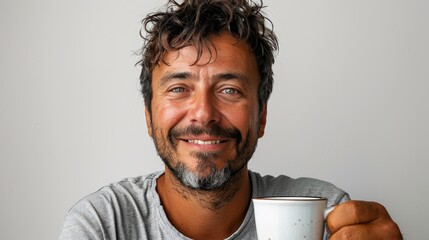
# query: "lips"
{"points": [[213, 135]]}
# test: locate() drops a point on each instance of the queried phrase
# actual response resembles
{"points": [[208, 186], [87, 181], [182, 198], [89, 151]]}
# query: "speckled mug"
{"points": [[290, 218]]}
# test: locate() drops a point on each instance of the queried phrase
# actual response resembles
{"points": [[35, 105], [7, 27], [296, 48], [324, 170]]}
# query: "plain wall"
{"points": [[350, 104]]}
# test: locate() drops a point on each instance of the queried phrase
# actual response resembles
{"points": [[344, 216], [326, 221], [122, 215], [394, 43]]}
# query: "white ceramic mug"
{"points": [[290, 218]]}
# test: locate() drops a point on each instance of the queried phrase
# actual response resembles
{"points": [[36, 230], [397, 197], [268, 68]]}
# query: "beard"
{"points": [[206, 176]]}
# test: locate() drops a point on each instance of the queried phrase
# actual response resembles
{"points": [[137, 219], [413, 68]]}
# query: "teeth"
{"points": [[204, 142]]}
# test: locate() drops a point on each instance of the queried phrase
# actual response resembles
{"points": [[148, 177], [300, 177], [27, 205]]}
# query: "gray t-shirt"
{"points": [[131, 209]]}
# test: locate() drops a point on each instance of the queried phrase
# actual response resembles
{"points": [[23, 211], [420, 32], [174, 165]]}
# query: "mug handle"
{"points": [[328, 211], [325, 215]]}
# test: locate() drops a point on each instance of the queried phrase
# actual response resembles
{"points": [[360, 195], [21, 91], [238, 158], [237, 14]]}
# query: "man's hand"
{"points": [[361, 220]]}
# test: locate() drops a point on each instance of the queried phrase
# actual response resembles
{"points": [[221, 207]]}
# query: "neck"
{"points": [[205, 214]]}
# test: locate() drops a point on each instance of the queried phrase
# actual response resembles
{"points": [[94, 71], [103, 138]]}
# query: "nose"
{"points": [[204, 110]]}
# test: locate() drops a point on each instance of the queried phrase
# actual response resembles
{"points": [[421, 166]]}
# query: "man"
{"points": [[206, 79]]}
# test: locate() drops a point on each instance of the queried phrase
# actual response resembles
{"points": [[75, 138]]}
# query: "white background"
{"points": [[350, 104]]}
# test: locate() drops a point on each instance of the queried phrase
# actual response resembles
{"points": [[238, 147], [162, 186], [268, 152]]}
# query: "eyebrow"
{"points": [[173, 75], [232, 75], [218, 77]]}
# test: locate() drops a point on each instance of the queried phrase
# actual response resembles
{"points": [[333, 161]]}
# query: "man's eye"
{"points": [[177, 90], [230, 91]]}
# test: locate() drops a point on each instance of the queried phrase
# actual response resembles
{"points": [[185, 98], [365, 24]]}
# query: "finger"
{"points": [[355, 212], [352, 232], [378, 230]]}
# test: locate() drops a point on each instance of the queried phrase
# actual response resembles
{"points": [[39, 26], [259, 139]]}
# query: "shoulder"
{"points": [[102, 212], [286, 186], [128, 189]]}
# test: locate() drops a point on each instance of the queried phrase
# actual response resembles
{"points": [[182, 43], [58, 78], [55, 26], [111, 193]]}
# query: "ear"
{"points": [[148, 121], [262, 121]]}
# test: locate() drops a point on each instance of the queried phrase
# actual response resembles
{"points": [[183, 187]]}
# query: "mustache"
{"points": [[213, 130]]}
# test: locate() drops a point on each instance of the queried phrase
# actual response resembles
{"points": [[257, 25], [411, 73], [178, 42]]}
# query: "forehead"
{"points": [[224, 53]]}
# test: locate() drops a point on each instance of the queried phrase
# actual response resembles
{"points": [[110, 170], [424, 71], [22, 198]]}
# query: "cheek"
{"points": [[244, 118], [244, 115], [166, 115]]}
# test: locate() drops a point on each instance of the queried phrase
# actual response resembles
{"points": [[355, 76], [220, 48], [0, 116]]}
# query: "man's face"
{"points": [[205, 119]]}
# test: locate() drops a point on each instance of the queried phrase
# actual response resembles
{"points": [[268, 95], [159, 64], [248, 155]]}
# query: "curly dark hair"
{"points": [[193, 22]]}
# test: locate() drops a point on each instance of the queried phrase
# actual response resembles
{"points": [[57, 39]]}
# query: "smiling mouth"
{"points": [[201, 142]]}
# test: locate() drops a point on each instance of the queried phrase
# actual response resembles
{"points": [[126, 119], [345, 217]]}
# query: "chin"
{"points": [[208, 178]]}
